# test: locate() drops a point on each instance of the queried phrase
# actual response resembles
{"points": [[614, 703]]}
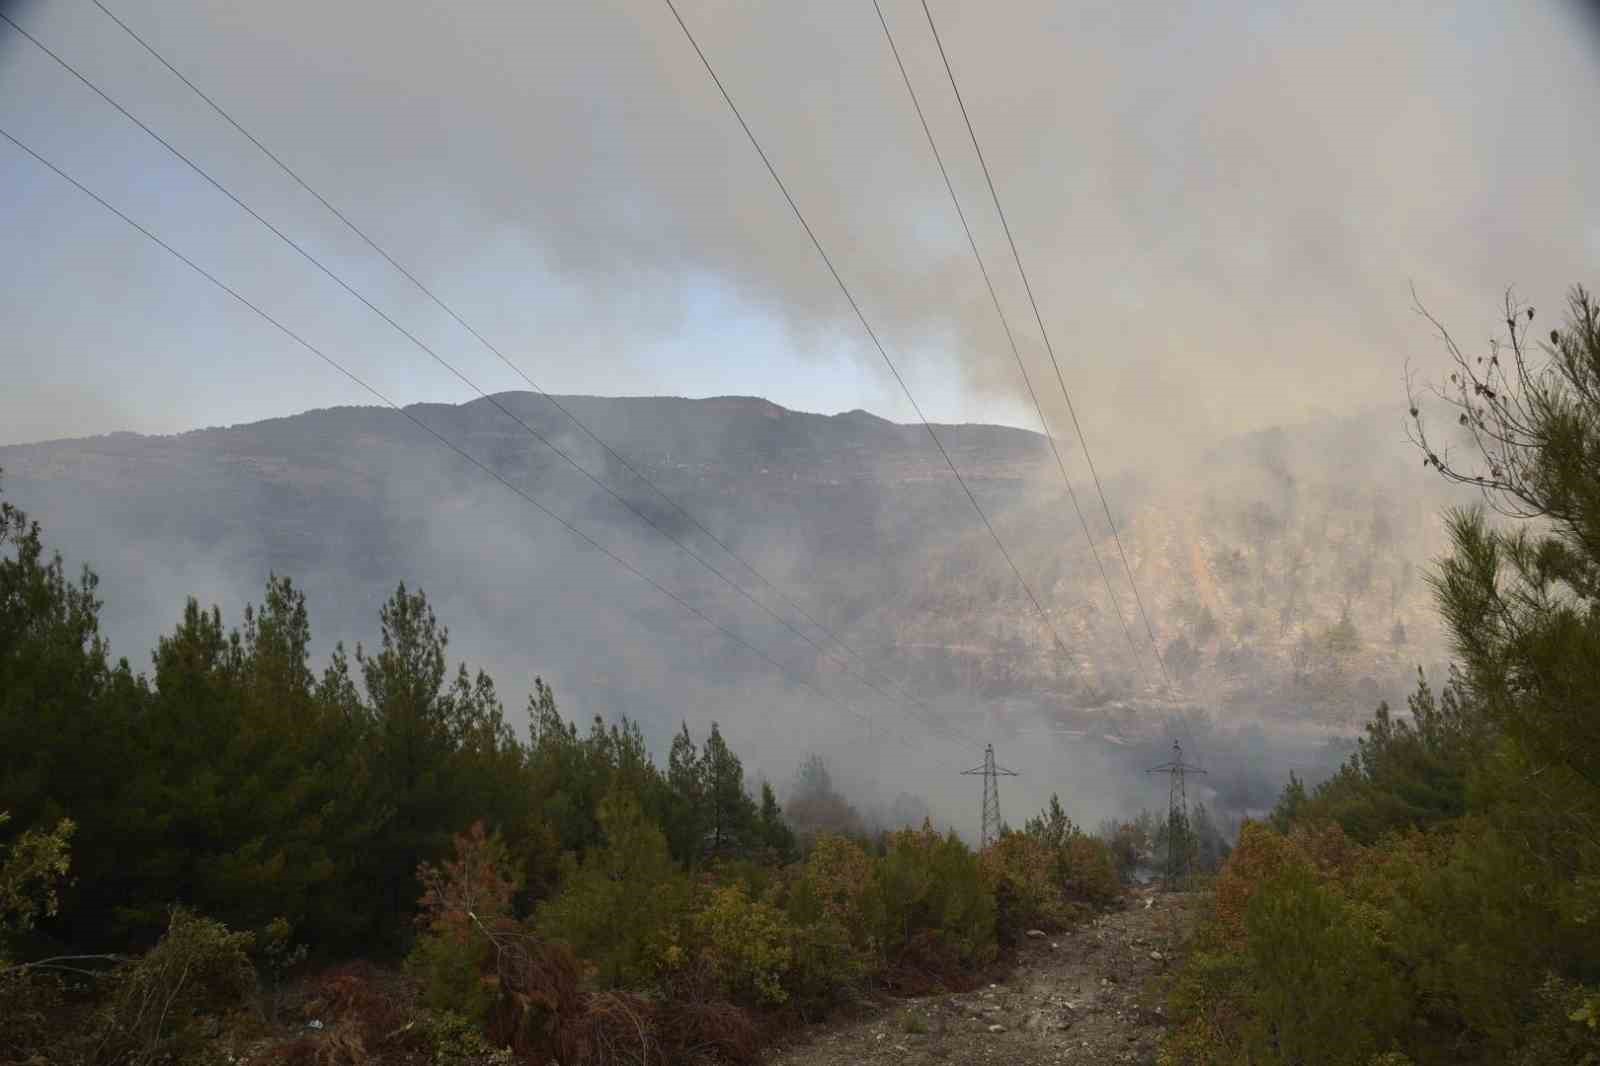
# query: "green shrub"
{"points": [[450, 974], [1087, 871], [163, 1001], [748, 945], [834, 885], [928, 893], [454, 1040], [760, 880], [1021, 871], [826, 967], [623, 906], [827, 910], [31, 868], [279, 956], [1209, 1003], [1321, 993], [1566, 1027]]}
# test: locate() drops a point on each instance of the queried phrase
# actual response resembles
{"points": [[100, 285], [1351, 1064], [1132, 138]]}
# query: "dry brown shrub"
{"points": [[1326, 846], [615, 1028], [366, 1011], [539, 996], [714, 1031], [543, 1014], [928, 964]]}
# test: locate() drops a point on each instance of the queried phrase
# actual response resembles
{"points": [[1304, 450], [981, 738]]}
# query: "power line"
{"points": [[1050, 348], [421, 345], [435, 434], [861, 316], [447, 309], [1045, 334], [1010, 336]]}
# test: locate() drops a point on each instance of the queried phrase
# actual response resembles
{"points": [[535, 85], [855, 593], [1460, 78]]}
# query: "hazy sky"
{"points": [[1220, 205]]}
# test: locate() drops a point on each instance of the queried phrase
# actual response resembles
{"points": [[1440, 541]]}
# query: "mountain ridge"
{"points": [[1250, 567]]}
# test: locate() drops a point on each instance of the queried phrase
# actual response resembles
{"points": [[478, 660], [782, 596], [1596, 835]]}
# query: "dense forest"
{"points": [[1438, 900], [181, 843]]}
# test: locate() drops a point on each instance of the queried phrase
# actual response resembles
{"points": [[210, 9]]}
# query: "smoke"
{"points": [[1220, 209]]}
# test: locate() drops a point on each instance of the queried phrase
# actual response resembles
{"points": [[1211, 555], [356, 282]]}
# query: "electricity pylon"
{"points": [[1178, 844], [991, 796]]}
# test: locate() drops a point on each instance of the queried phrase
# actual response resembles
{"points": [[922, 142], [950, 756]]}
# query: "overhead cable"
{"points": [[1054, 362], [436, 435], [865, 325], [428, 350], [622, 460], [1011, 339]]}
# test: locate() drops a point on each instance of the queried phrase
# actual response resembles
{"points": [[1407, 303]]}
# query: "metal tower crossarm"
{"points": [[991, 796], [1178, 844]]}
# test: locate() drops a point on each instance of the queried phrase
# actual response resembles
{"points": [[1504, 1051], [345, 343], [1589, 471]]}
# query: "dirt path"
{"points": [[1084, 996]]}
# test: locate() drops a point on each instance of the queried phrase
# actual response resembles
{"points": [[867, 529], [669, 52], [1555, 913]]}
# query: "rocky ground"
{"points": [[1089, 995]]}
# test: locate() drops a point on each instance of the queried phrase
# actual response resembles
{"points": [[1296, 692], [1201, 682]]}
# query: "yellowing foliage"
{"points": [[747, 943]]}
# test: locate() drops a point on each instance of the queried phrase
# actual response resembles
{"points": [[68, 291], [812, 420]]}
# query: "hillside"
{"points": [[1280, 571]]}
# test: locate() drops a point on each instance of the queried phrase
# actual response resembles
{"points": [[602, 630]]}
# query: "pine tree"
{"points": [[618, 904], [686, 827], [730, 813], [412, 726], [777, 837], [1051, 826]]}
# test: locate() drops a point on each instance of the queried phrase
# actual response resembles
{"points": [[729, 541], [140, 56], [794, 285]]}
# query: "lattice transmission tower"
{"points": [[991, 796], [1180, 845]]}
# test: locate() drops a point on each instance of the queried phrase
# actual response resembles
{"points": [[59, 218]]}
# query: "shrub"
{"points": [[279, 956], [1209, 1004], [623, 905], [834, 885], [747, 944], [30, 870], [827, 911], [1321, 991], [453, 1040], [928, 909], [464, 902], [1259, 855], [827, 967], [1020, 870], [452, 974], [364, 1017], [540, 1002], [1566, 1027], [30, 1003], [708, 1032], [473, 889], [162, 1000], [1087, 871]]}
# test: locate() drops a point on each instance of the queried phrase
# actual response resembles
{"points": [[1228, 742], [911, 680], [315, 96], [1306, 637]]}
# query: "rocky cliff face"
{"points": [[1281, 573]]}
